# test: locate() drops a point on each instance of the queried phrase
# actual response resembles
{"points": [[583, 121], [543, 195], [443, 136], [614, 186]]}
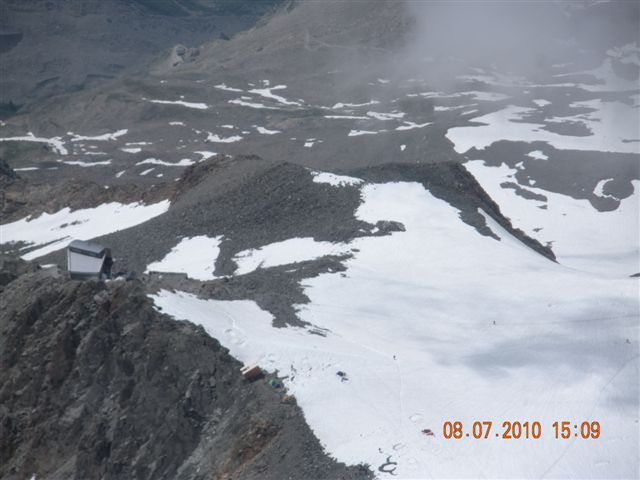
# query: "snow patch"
{"points": [[195, 256], [611, 124], [266, 131], [599, 190], [541, 102], [357, 133], [335, 180], [288, 251], [341, 105], [218, 139], [80, 163], [56, 142], [412, 125], [98, 138], [385, 116], [343, 117], [197, 106], [223, 86], [537, 155], [244, 103], [185, 162], [582, 237], [205, 155], [54, 231], [268, 93]]}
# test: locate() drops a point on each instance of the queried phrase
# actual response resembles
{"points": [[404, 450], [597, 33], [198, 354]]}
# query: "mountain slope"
{"points": [[49, 48], [97, 384]]}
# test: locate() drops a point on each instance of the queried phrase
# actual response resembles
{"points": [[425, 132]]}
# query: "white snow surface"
{"points": [[56, 142], [185, 162], [196, 105], [195, 256], [386, 116], [266, 131], [335, 180], [537, 155], [54, 231], [283, 253], [223, 86], [439, 323], [412, 125], [581, 236], [541, 102], [205, 154], [341, 105], [268, 93], [612, 124], [599, 190], [98, 138], [346, 117], [357, 133], [244, 103], [487, 96], [80, 163], [218, 139]]}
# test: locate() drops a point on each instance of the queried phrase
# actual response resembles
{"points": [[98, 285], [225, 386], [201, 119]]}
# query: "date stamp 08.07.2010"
{"points": [[515, 430]]}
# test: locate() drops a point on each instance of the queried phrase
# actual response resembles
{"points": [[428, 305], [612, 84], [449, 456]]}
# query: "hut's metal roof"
{"points": [[87, 248]]}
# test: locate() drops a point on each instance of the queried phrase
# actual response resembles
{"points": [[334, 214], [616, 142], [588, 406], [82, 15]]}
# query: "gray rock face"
{"points": [[97, 384]]}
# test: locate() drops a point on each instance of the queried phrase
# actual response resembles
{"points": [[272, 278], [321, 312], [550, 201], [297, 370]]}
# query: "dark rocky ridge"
{"points": [[96, 384], [20, 198], [253, 202]]}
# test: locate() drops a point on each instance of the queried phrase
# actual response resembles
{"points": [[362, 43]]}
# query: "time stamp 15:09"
{"points": [[560, 430]]}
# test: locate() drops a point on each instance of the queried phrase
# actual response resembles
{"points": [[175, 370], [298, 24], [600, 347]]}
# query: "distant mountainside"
{"points": [[50, 47]]}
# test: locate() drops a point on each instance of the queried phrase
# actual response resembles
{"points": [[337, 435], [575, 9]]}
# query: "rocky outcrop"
{"points": [[20, 198], [95, 383]]}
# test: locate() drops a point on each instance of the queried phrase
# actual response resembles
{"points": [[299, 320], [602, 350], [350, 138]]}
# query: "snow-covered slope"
{"points": [[439, 323], [51, 232], [581, 236]]}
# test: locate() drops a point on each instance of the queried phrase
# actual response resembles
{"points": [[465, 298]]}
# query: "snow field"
{"points": [[412, 325]]}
